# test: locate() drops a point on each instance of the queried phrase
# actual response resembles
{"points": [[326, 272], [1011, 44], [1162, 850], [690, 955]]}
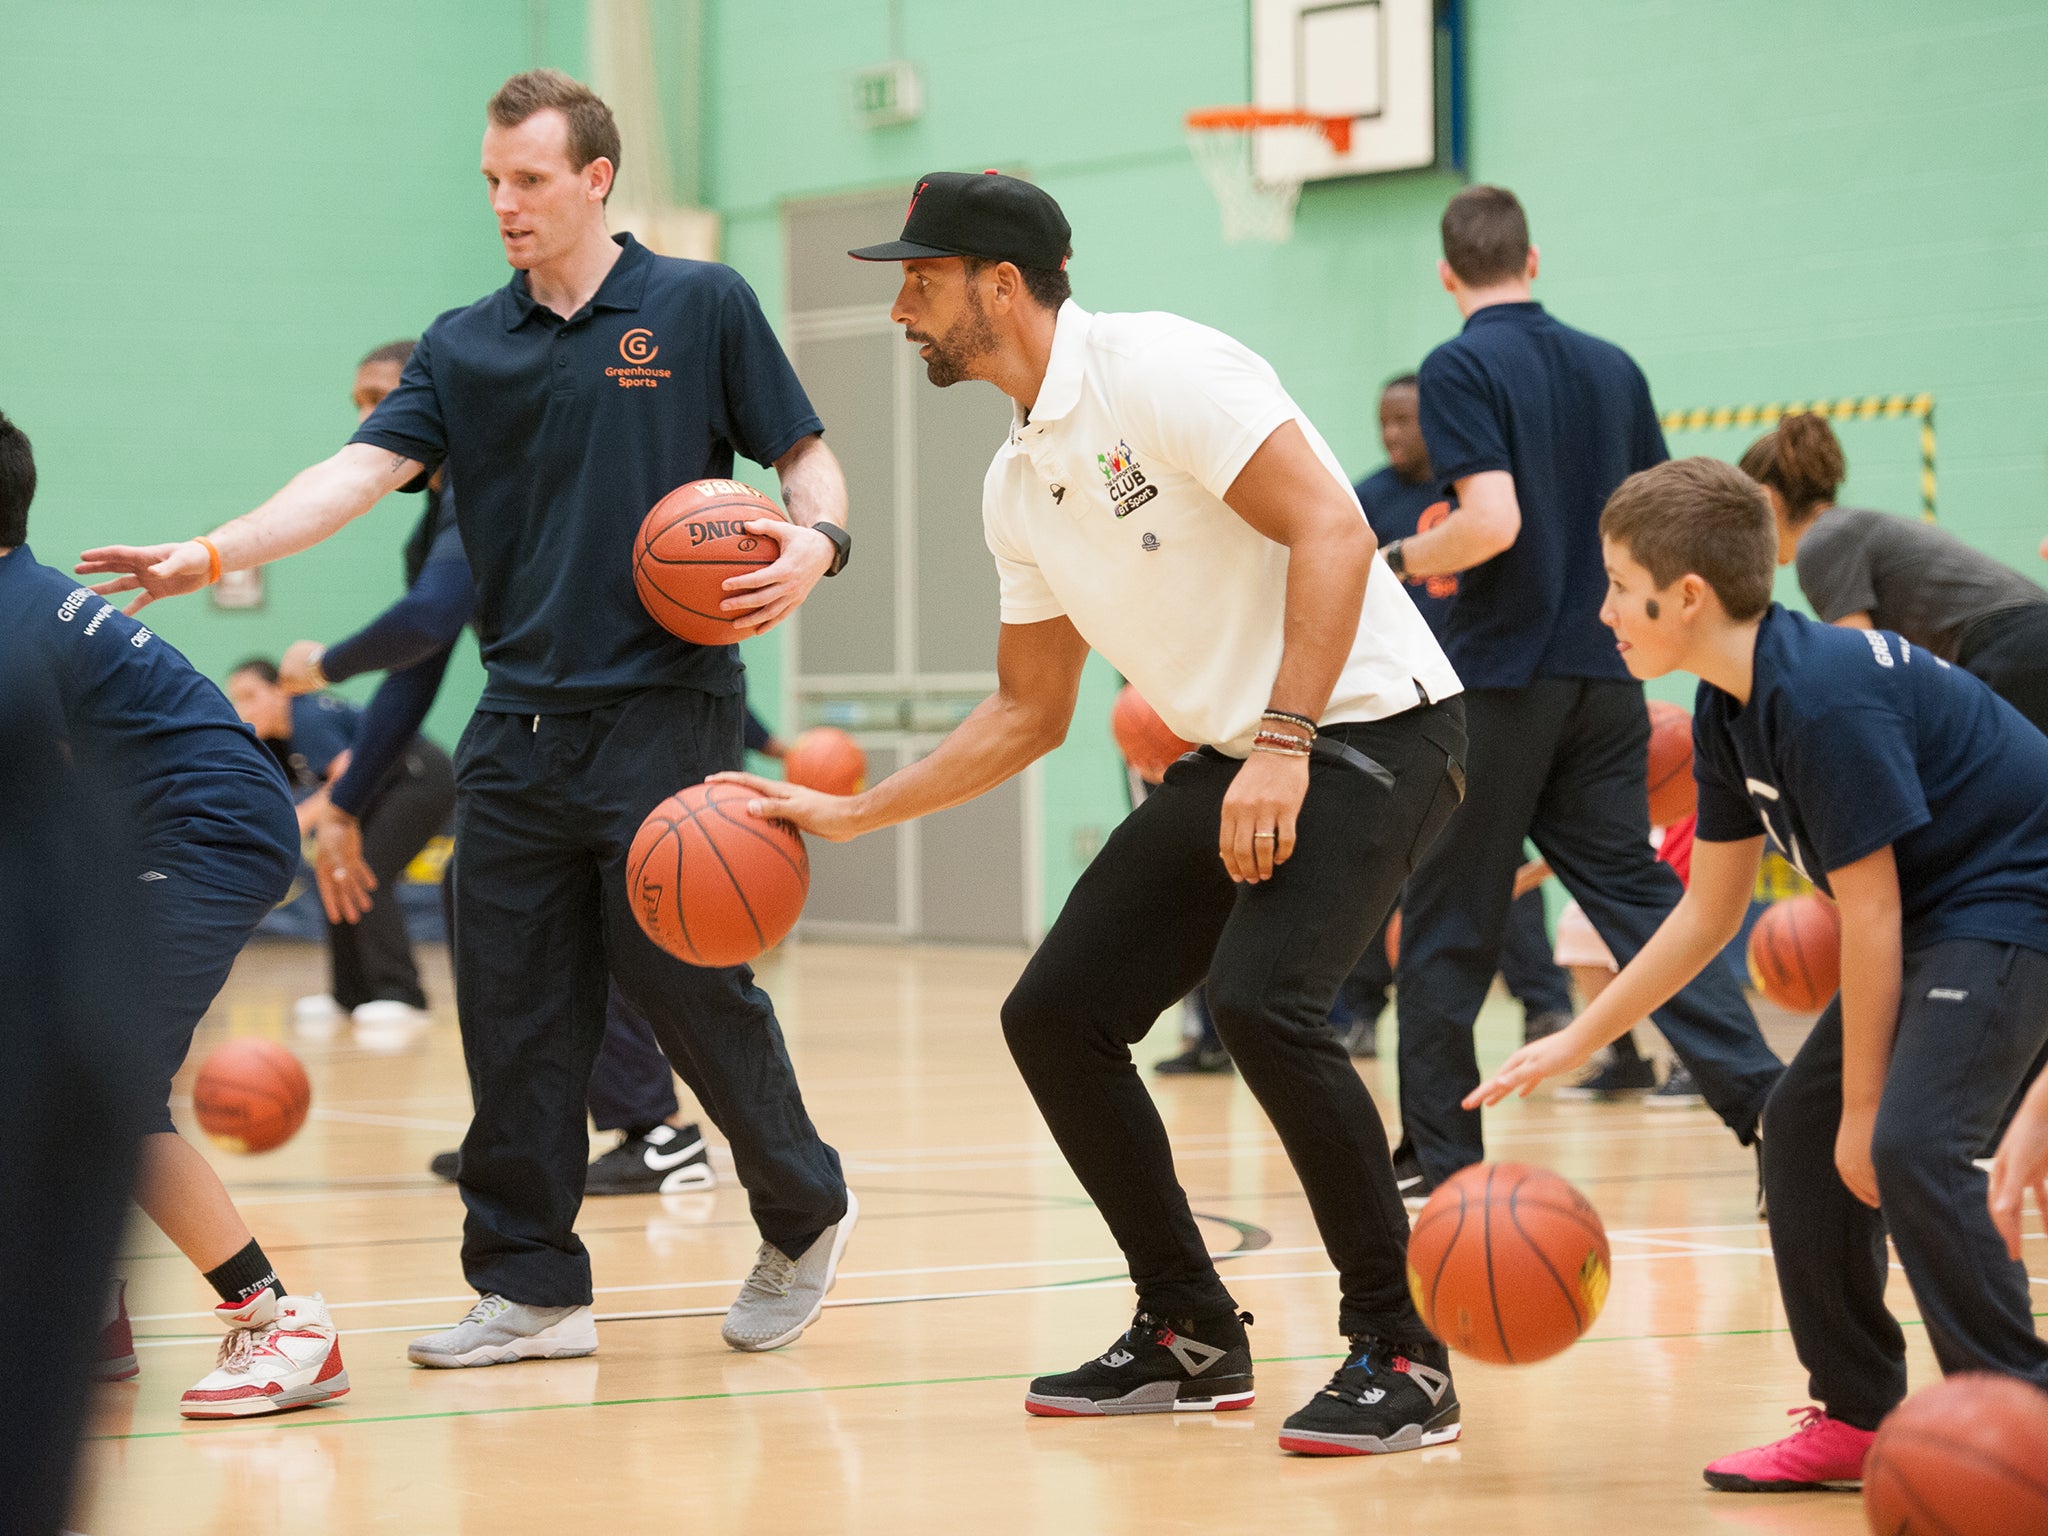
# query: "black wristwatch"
{"points": [[842, 545], [1396, 562]]}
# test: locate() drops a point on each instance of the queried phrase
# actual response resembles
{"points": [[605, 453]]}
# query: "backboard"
{"points": [[1375, 61]]}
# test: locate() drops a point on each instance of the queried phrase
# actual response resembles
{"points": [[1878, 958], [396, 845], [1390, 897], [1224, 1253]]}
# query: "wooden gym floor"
{"points": [[977, 1264]]}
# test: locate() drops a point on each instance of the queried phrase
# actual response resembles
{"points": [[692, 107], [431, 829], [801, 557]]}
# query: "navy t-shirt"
{"points": [[165, 745], [324, 726], [562, 433], [1855, 739], [1397, 508], [1569, 416]]}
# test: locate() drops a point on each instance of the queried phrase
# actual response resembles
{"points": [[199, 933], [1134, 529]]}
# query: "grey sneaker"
{"points": [[498, 1331], [783, 1296]]}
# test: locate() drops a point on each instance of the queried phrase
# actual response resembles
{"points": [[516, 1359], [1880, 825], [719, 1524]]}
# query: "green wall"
{"points": [[1760, 201], [212, 209]]}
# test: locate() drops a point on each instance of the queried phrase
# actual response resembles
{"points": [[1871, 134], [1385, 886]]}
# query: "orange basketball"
{"points": [[1673, 794], [251, 1095], [1142, 737], [1795, 952], [827, 760], [1965, 1457], [1394, 939], [712, 884], [687, 547], [1508, 1263]]}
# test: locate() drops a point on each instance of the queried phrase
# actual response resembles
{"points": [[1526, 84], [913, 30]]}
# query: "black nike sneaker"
{"points": [[663, 1161], [1156, 1367], [1385, 1397]]}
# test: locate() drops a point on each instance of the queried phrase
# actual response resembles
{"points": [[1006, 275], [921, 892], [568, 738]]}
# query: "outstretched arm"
{"points": [[314, 504], [1707, 916], [1038, 675]]}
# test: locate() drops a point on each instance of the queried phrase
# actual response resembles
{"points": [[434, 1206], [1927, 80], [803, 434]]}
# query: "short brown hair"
{"points": [[1802, 461], [1486, 236], [1701, 517], [1049, 287], [593, 133]]}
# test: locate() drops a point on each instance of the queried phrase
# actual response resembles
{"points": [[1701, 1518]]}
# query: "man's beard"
{"points": [[971, 337]]}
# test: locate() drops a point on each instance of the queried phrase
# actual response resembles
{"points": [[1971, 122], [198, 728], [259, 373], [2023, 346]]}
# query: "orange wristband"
{"points": [[212, 559]]}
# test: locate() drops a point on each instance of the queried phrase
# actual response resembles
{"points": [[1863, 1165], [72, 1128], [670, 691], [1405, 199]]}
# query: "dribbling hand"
{"points": [[345, 879], [155, 570], [808, 810], [1521, 1072]]}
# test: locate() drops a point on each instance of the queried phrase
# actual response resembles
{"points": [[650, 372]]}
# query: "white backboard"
{"points": [[1373, 61]]}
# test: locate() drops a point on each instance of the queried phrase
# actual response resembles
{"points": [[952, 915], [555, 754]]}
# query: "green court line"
{"points": [[317, 1422]]}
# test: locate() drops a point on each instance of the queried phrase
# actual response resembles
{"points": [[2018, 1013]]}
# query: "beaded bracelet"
{"points": [[1280, 743], [1292, 719]]}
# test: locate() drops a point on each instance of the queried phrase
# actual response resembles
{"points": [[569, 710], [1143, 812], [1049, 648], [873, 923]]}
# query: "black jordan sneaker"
{"points": [[1156, 1367], [1385, 1397]]}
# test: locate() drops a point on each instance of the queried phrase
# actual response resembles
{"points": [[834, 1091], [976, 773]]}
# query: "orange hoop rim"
{"points": [[1335, 130]]}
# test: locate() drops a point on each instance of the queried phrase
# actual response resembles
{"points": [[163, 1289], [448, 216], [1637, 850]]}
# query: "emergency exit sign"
{"points": [[888, 94]]}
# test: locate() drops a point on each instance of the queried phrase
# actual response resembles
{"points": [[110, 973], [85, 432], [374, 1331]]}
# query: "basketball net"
{"points": [[1224, 142]]}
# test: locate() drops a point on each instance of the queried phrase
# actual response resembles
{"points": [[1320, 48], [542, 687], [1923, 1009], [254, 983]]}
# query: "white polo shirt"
{"points": [[1107, 506]]}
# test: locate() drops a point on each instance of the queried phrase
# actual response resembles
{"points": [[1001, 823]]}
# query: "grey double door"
{"points": [[900, 648]]}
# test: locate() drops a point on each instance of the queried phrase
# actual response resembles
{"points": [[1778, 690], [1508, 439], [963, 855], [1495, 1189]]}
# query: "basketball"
{"points": [[1795, 952], [1965, 1457], [1673, 794], [1508, 1263], [689, 545], [1142, 737], [251, 1095], [1394, 939], [827, 760], [712, 884]]}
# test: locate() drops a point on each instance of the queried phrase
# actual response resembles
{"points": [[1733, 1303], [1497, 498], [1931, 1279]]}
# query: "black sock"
{"points": [[244, 1275]]}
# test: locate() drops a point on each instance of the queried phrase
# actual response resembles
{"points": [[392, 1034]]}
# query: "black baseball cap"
{"points": [[956, 213]]}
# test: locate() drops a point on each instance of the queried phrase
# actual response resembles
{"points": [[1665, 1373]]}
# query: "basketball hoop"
{"points": [[1224, 142]]}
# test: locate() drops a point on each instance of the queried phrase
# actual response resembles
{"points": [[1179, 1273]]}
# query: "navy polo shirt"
{"points": [[1398, 508], [562, 433], [1855, 739], [324, 726], [179, 767], [1569, 416]]}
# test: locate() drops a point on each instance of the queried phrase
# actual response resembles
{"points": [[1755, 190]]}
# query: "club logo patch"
{"points": [[1149, 543], [639, 350], [1128, 487]]}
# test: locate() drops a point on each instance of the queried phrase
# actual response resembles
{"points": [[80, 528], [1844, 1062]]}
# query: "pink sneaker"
{"points": [[117, 1339], [1821, 1453], [280, 1353]]}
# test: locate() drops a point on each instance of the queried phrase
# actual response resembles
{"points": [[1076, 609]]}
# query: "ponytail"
{"points": [[1802, 461]]}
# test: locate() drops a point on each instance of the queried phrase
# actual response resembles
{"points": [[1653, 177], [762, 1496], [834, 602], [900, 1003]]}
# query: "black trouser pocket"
{"points": [[1450, 794]]}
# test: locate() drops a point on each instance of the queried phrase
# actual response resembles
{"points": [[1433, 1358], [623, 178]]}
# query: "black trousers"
{"points": [[2009, 650], [371, 960], [631, 1085], [1153, 914], [1563, 763], [547, 809], [1973, 1016], [1532, 977]]}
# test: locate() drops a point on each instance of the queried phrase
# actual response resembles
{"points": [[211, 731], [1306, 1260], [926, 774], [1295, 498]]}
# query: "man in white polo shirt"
{"points": [[1161, 499]]}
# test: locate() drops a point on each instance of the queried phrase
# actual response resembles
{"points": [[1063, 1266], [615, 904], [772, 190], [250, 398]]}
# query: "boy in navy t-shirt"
{"points": [[214, 848], [1918, 800]]}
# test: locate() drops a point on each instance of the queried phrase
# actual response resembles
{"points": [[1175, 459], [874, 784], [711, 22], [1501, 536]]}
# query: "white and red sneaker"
{"points": [[117, 1339], [1822, 1453], [280, 1353]]}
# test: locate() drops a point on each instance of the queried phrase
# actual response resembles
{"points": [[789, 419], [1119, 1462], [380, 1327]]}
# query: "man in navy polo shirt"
{"points": [[565, 405], [1401, 500], [1533, 424]]}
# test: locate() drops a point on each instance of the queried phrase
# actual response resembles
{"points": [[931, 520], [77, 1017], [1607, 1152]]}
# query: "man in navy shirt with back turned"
{"points": [[565, 405], [1400, 501], [1533, 424]]}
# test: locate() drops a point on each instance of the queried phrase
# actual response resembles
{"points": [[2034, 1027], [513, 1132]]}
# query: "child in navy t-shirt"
{"points": [[1918, 800]]}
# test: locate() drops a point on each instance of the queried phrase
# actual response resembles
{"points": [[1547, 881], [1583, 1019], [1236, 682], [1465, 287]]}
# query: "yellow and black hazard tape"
{"points": [[1851, 408]]}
